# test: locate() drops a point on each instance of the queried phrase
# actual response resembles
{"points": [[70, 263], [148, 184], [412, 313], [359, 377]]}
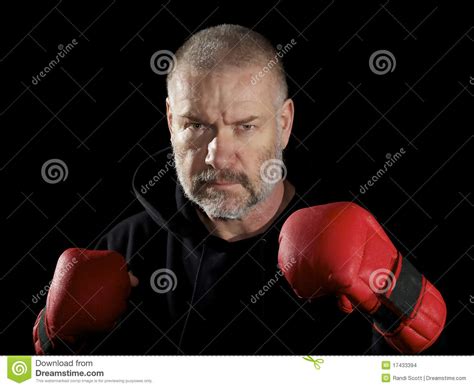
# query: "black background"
{"points": [[101, 111]]}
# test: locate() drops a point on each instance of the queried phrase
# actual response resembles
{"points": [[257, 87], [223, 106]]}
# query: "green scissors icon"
{"points": [[316, 362]]}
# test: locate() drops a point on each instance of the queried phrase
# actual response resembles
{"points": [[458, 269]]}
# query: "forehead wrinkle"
{"points": [[240, 111]]}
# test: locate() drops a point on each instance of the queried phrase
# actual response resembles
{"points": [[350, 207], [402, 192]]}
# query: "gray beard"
{"points": [[214, 203]]}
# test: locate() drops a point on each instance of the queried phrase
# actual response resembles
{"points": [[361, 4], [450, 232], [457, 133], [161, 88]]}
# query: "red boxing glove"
{"points": [[340, 249], [88, 293]]}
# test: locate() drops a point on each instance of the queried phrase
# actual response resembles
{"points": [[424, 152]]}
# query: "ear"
{"points": [[286, 115], [169, 116]]}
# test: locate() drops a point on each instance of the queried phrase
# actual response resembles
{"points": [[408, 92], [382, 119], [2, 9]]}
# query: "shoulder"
{"points": [[129, 235], [140, 221]]}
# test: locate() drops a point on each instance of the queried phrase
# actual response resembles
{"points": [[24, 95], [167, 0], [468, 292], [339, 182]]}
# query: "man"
{"points": [[220, 261]]}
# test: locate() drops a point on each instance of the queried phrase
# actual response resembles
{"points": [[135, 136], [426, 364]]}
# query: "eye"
{"points": [[247, 127], [195, 126]]}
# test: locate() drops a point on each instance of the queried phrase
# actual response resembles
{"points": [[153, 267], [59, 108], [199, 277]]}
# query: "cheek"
{"points": [[250, 161], [189, 142], [181, 140], [191, 160], [255, 155], [184, 144]]}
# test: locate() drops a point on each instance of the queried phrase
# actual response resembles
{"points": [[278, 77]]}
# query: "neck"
{"points": [[257, 221]]}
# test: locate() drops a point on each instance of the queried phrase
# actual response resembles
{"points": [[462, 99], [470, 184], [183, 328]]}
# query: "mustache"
{"points": [[211, 175]]}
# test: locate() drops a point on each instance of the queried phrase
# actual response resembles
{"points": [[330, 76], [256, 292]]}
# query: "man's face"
{"points": [[223, 129]]}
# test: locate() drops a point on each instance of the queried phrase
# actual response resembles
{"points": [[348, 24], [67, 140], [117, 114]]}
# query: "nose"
{"points": [[221, 150]]}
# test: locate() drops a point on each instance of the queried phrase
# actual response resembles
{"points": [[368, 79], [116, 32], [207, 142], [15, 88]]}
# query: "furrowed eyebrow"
{"points": [[246, 120], [192, 117]]}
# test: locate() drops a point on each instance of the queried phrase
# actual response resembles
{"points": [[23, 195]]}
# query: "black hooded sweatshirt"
{"points": [[224, 297]]}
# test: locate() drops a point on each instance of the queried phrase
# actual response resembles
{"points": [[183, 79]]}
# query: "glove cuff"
{"points": [[413, 315]]}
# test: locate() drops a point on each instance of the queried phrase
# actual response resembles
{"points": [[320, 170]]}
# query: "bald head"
{"points": [[218, 48]]}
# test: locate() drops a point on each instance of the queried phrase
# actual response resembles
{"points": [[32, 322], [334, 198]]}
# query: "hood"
{"points": [[157, 188]]}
